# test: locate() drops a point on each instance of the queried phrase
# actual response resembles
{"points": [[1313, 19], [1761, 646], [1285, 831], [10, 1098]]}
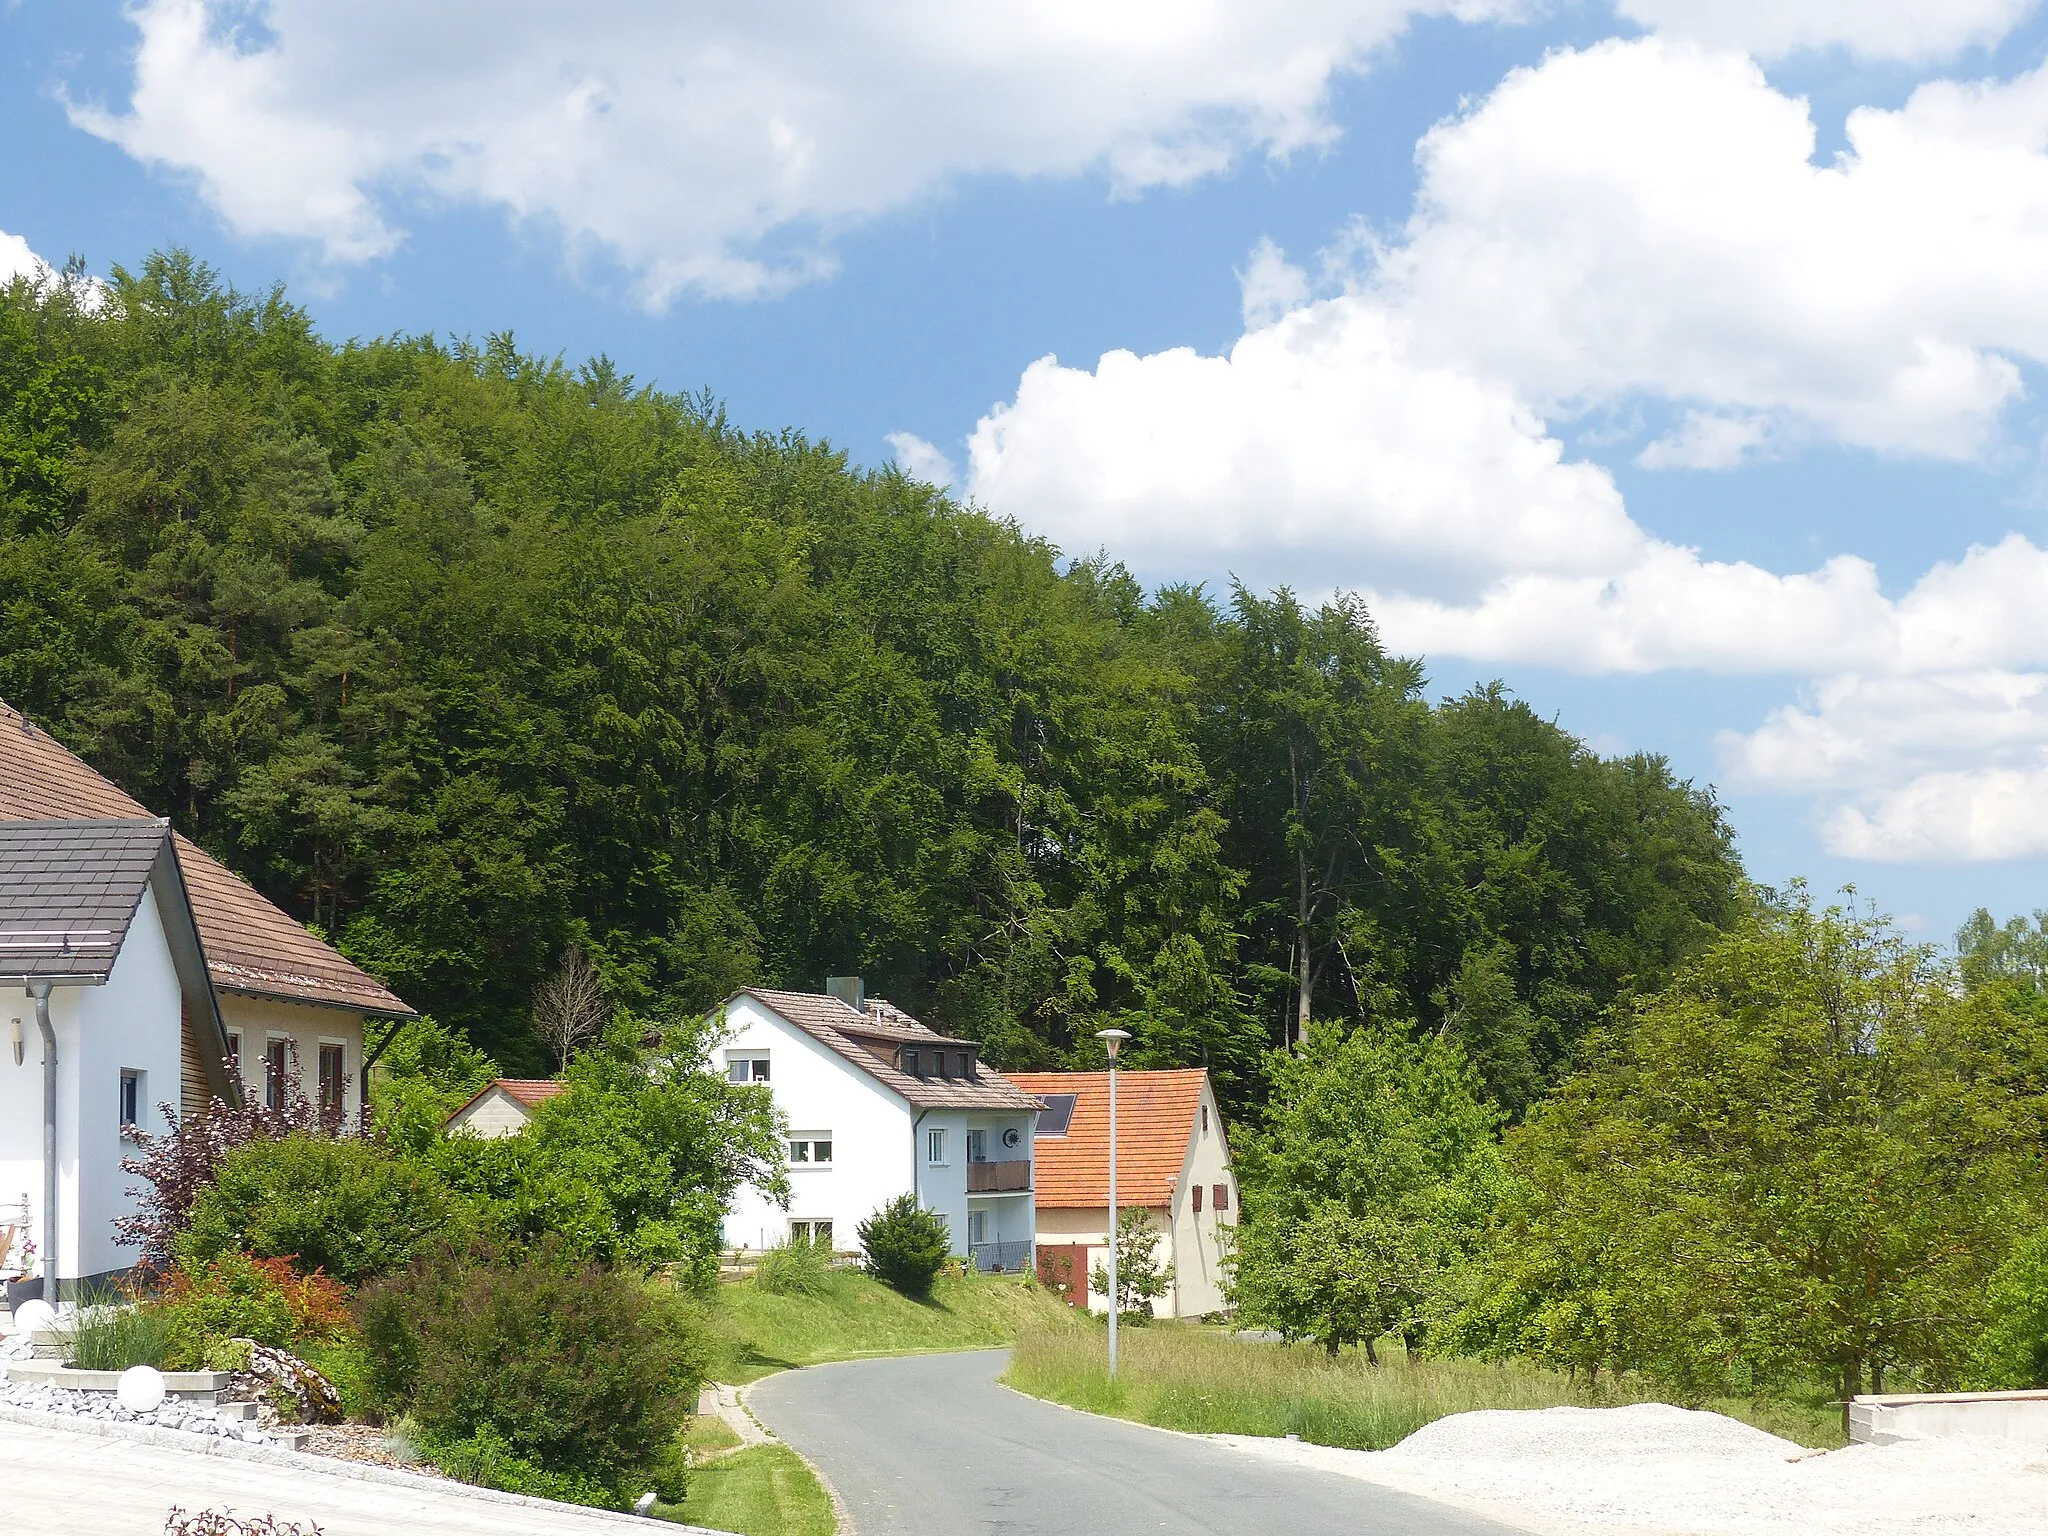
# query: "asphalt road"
{"points": [[929, 1445]]}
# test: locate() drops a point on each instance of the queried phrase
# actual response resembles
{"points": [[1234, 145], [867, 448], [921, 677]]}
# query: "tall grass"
{"points": [[107, 1334], [1208, 1382], [796, 1268]]}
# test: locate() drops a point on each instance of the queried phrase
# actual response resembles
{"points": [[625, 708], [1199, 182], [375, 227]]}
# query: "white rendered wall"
{"points": [[494, 1115], [133, 1023], [261, 1019], [1197, 1240], [817, 1092], [21, 1108]]}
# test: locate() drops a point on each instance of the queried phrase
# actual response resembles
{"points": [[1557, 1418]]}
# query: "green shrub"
{"points": [[905, 1247], [229, 1297], [796, 1268], [2012, 1352], [107, 1334], [350, 1207], [533, 1357]]}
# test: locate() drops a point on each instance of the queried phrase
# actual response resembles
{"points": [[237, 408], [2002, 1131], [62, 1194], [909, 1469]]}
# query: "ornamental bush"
{"points": [[231, 1296], [905, 1246], [535, 1369], [349, 1207]]}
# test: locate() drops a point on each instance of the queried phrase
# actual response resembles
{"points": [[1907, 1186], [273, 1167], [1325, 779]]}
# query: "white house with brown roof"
{"points": [[876, 1105], [289, 1003], [169, 980], [1172, 1158]]}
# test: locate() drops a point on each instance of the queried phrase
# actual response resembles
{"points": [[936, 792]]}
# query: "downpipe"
{"points": [[40, 991]]}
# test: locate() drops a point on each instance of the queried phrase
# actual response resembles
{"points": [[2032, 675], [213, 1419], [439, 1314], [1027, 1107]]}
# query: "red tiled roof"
{"points": [[251, 945], [835, 1024], [1155, 1121], [530, 1090]]}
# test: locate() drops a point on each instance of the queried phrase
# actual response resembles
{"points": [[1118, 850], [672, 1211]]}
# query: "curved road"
{"points": [[929, 1445]]}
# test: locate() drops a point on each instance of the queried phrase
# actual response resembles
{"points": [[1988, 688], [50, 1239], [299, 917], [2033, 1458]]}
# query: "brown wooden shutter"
{"points": [[193, 1095]]}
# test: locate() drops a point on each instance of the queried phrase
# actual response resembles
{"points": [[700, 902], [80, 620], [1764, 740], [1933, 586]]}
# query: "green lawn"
{"points": [[763, 1491], [858, 1317], [1203, 1380]]}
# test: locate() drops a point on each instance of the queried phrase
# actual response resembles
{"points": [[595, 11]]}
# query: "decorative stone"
{"points": [[31, 1317]]}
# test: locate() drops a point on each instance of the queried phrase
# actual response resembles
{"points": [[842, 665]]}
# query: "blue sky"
{"points": [[1665, 359]]}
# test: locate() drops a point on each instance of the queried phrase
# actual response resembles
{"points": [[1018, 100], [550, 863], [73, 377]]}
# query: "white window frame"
{"points": [[810, 1141], [810, 1226], [321, 1047], [138, 1079], [284, 1071], [757, 1067], [935, 1147], [977, 1224], [977, 1133]]}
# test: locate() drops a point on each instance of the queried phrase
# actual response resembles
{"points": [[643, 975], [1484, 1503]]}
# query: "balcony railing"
{"points": [[1001, 1258], [999, 1177]]}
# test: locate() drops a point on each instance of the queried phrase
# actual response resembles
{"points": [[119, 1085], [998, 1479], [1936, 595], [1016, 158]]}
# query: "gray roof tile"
{"points": [[69, 890]]}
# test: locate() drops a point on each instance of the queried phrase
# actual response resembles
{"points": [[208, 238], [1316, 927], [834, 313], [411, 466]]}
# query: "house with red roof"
{"points": [[1172, 1158], [504, 1106], [875, 1105]]}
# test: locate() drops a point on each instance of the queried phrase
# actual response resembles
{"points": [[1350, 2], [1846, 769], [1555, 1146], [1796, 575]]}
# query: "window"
{"points": [[910, 1064], [935, 1146], [966, 1065], [746, 1066], [1205, 1119], [939, 1063], [977, 1226], [131, 1099], [276, 1064], [1058, 1113], [811, 1149], [235, 1052], [817, 1233], [977, 1146], [333, 1082], [1222, 1194], [1198, 1199]]}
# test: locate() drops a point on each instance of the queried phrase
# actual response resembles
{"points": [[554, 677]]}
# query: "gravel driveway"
{"points": [[929, 1445]]}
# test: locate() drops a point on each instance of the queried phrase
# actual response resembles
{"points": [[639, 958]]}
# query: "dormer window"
{"points": [[939, 1059], [910, 1064], [967, 1064]]}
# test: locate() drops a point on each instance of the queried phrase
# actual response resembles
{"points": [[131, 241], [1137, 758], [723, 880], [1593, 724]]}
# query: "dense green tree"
{"points": [[468, 657], [1805, 1156]]}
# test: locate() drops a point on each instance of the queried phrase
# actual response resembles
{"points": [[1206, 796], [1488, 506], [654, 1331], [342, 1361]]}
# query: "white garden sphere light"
{"points": [[141, 1389], [32, 1317]]}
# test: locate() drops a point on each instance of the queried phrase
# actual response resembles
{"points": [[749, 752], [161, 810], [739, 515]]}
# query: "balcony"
{"points": [[1000, 1258], [1013, 1173]]}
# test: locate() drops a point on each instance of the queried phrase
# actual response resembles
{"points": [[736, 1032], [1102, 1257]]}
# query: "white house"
{"points": [[106, 1005], [1172, 1158], [876, 1105], [296, 1012]]}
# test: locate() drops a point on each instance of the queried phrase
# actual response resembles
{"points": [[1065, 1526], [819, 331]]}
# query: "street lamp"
{"points": [[1112, 1038]]}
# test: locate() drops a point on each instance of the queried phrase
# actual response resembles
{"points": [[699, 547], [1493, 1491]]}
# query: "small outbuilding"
{"points": [[1172, 1159], [504, 1106]]}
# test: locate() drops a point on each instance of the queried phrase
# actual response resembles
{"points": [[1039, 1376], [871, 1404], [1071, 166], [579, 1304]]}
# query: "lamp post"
{"points": [[1112, 1038]]}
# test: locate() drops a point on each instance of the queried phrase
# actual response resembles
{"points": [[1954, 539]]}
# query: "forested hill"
{"points": [[465, 656]]}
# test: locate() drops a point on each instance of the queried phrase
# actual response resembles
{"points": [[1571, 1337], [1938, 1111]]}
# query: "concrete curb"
{"points": [[322, 1466]]}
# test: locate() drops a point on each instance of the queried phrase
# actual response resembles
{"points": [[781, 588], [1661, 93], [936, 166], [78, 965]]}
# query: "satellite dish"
{"points": [[1012, 1136]]}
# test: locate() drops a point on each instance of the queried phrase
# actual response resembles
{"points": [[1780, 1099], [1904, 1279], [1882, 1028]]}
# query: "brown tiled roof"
{"points": [[1155, 1121], [251, 945], [838, 1026]]}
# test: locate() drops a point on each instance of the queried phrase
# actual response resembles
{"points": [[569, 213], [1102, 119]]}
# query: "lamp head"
{"points": [[1112, 1038], [17, 1042]]}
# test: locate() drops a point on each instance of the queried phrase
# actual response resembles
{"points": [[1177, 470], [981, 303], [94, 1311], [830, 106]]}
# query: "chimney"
{"points": [[848, 990]]}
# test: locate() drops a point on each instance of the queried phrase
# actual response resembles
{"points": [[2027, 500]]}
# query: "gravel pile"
{"points": [[1654, 1468], [192, 1418]]}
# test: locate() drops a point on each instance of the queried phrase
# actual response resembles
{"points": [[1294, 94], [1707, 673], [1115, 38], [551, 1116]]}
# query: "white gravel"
{"points": [[1657, 1469], [191, 1418]]}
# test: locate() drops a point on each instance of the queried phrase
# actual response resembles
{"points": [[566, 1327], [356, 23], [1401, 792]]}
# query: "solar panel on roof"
{"points": [[1057, 1114]]}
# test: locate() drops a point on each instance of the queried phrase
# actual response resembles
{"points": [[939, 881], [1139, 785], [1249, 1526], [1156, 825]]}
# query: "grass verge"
{"points": [[1205, 1381], [853, 1317], [765, 1490]]}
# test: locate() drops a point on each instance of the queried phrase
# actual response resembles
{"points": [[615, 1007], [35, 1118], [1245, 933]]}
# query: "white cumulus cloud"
{"points": [[17, 260], [714, 148], [1649, 217], [1910, 31]]}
